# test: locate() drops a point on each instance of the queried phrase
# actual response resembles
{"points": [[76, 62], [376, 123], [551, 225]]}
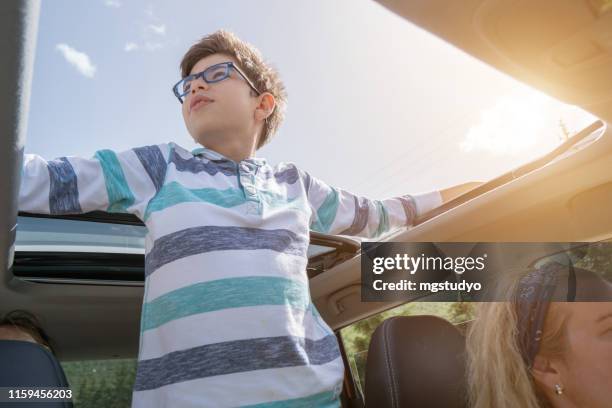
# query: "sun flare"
{"points": [[523, 122]]}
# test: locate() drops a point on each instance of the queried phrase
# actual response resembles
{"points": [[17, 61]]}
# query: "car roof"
{"points": [[563, 48]]}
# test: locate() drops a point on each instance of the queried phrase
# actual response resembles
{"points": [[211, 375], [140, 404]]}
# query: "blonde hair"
{"points": [[497, 373], [249, 60]]}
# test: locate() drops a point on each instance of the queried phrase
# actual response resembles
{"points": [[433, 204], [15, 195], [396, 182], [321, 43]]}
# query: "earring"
{"points": [[558, 389]]}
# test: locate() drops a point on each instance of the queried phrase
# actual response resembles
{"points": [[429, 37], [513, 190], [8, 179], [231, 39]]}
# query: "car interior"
{"points": [[90, 303]]}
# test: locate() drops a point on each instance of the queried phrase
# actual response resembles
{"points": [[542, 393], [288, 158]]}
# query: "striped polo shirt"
{"points": [[227, 318]]}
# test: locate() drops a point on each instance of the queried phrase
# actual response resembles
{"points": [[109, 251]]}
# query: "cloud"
{"points": [[77, 59], [158, 29], [130, 46], [151, 34], [112, 3]]}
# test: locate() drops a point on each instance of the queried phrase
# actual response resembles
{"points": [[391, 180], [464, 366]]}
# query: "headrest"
{"points": [[26, 364], [416, 361]]}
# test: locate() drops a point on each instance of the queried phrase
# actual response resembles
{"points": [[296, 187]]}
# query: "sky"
{"points": [[376, 106]]}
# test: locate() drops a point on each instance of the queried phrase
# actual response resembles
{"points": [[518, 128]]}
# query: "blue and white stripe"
{"points": [[227, 316]]}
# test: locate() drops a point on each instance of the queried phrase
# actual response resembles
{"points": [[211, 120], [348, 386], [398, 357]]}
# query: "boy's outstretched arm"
{"points": [[335, 211], [112, 182]]}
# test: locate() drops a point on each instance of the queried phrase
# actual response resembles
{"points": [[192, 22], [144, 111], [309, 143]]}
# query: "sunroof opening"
{"points": [[103, 247], [61, 235]]}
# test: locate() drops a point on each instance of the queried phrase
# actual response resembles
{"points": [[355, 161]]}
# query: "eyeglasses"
{"points": [[210, 75]]}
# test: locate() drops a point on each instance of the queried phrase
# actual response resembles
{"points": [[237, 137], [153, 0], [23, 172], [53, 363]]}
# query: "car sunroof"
{"points": [[60, 235], [100, 247]]}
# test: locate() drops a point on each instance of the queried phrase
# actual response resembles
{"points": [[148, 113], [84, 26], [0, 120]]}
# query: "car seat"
{"points": [[416, 361], [25, 364]]}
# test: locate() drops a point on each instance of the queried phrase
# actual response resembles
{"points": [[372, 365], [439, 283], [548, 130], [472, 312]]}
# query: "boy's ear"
{"points": [[265, 106]]}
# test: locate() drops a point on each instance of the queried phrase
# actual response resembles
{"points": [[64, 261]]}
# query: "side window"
{"points": [[595, 257], [356, 337], [101, 383]]}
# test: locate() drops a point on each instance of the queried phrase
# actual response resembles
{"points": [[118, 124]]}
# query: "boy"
{"points": [[227, 318]]}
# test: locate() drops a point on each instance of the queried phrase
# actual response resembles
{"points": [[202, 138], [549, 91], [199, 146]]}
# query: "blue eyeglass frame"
{"points": [[228, 67]]}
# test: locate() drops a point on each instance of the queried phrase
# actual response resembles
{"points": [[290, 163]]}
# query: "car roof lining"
{"points": [[561, 48]]}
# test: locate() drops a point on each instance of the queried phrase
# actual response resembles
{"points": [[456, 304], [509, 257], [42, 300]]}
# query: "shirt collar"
{"points": [[213, 155]]}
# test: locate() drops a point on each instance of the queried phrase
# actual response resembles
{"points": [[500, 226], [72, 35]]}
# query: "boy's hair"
{"points": [[249, 59], [27, 323]]}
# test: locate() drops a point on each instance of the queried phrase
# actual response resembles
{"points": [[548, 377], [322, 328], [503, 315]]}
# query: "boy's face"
{"points": [[221, 112]]}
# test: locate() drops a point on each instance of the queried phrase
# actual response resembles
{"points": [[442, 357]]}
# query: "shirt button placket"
{"points": [[247, 180]]}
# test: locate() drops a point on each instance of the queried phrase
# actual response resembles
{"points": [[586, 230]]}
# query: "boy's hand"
{"points": [[455, 191]]}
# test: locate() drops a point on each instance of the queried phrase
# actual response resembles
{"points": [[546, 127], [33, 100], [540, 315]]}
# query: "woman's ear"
{"points": [[265, 107], [547, 375]]}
